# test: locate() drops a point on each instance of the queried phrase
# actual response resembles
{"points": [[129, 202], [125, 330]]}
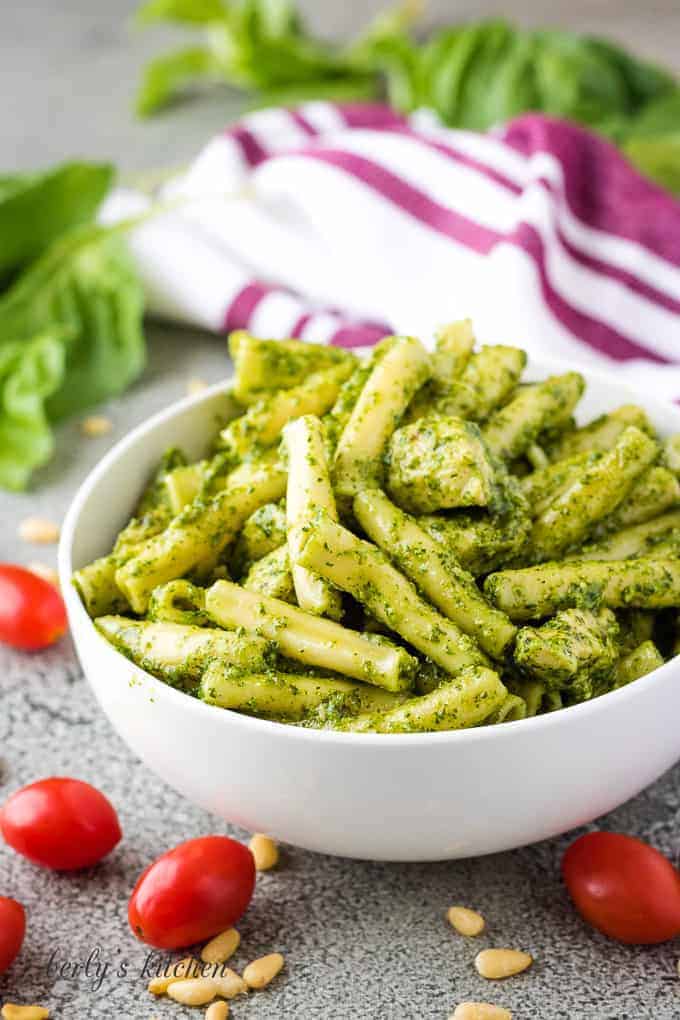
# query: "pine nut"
{"points": [[465, 921], [219, 949], [12, 1012], [96, 425], [45, 571], [502, 963], [38, 530], [480, 1011], [260, 972], [193, 992], [265, 852], [182, 969], [195, 386], [229, 984], [218, 1011]]}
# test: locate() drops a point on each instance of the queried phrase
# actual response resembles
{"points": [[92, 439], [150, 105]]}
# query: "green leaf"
{"points": [[255, 45], [269, 19], [659, 158], [644, 82], [466, 78], [254, 52], [166, 77], [396, 57], [35, 208], [191, 12], [578, 80], [86, 285], [662, 116], [651, 140], [30, 372], [337, 90]]}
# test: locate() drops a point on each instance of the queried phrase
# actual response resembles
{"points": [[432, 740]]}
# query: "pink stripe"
{"points": [[299, 326], [628, 279], [482, 240], [240, 311], [304, 124], [634, 283], [601, 187], [361, 335], [592, 331], [412, 201], [369, 115], [252, 151], [457, 156]]}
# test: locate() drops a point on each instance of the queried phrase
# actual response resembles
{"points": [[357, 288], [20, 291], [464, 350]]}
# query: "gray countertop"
{"points": [[361, 939]]}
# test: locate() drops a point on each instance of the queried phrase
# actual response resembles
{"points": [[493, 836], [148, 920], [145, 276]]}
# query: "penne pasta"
{"points": [[418, 542], [201, 530], [309, 639], [450, 588], [400, 371], [264, 366], [309, 488], [363, 571], [535, 592]]}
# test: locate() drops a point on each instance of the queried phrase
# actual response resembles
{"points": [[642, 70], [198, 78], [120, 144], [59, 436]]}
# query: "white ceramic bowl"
{"points": [[401, 798]]}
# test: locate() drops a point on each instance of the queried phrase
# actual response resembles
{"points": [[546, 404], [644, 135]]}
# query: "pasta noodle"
{"points": [[417, 541]]}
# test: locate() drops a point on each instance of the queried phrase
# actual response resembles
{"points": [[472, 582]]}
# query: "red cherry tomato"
{"points": [[192, 892], [624, 888], [12, 931], [60, 823], [32, 612]]}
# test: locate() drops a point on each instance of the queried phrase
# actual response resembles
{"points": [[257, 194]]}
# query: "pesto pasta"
{"points": [[408, 542]]}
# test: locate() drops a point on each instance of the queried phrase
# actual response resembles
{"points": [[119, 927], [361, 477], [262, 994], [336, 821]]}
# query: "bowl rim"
{"points": [[79, 619]]}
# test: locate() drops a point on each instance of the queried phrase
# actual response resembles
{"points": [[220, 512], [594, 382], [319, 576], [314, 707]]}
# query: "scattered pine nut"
{"points": [[229, 984], [96, 425], [480, 1011], [501, 963], [12, 1012], [465, 921], [218, 1011], [259, 973], [159, 985], [193, 992], [219, 949], [265, 851], [38, 530], [45, 571], [195, 386]]}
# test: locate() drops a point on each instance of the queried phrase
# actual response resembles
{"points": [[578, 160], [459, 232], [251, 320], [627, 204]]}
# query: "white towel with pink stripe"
{"points": [[339, 223]]}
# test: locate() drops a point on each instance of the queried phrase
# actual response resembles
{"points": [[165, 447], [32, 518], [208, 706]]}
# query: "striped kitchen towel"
{"points": [[339, 223]]}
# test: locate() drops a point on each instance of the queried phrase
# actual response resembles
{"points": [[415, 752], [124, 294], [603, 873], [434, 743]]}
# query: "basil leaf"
{"points": [[192, 12], [337, 90], [166, 77], [659, 158], [659, 117], [30, 372], [83, 301], [257, 45], [35, 208]]}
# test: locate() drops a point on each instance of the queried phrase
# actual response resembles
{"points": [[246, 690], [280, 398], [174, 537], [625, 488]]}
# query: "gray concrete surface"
{"points": [[361, 940]]}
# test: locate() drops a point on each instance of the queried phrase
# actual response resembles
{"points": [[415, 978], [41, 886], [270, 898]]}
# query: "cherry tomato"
{"points": [[32, 612], [12, 931], [60, 823], [624, 888], [192, 892]]}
